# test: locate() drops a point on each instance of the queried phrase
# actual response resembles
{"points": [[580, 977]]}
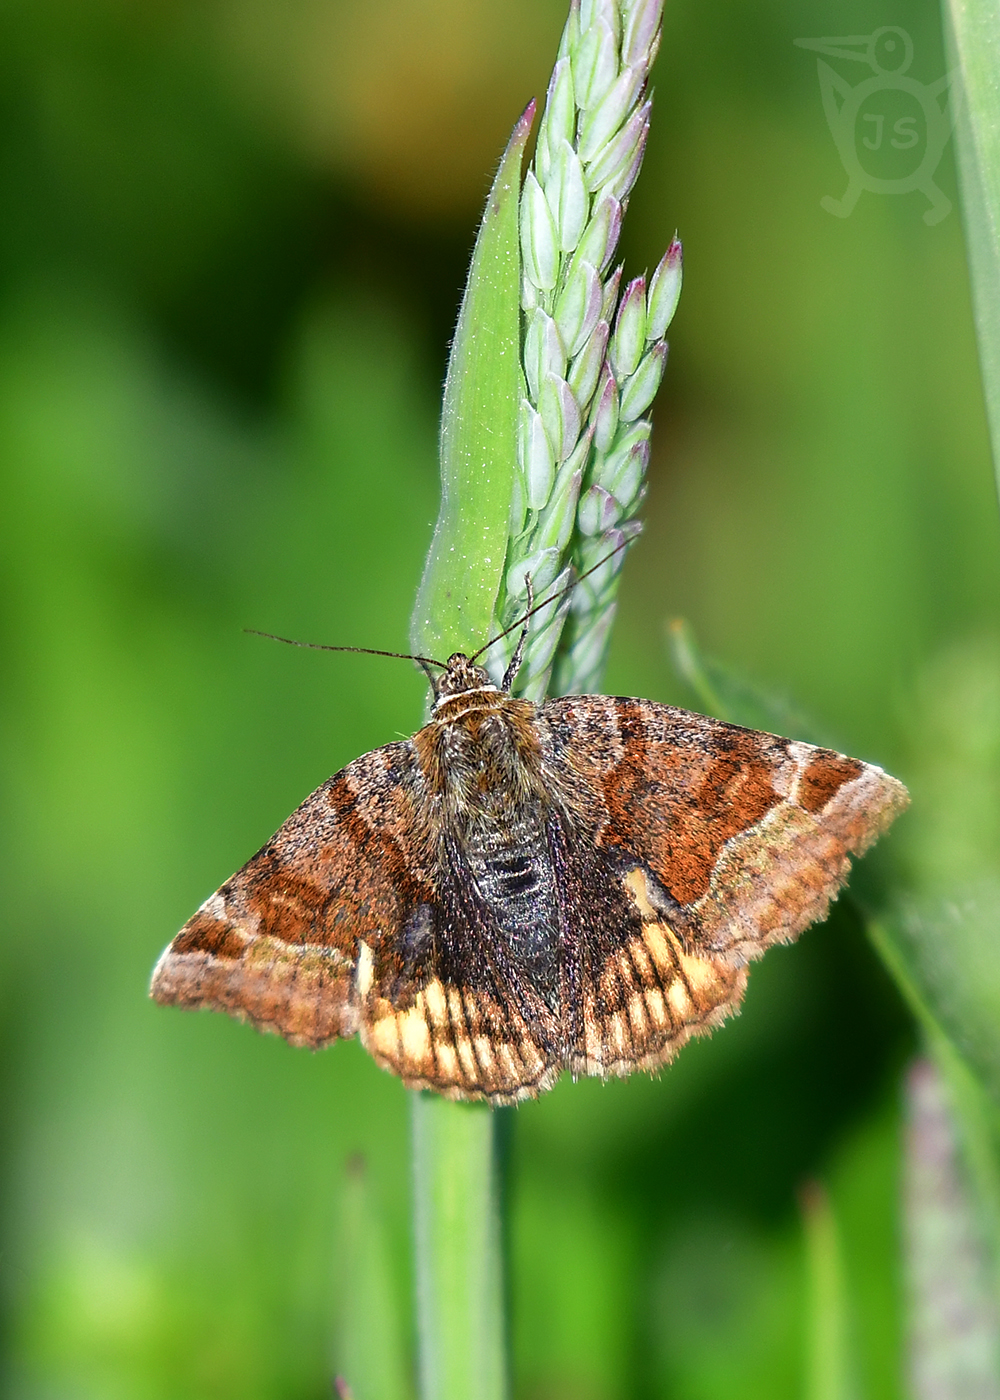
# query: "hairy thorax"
{"points": [[480, 756], [482, 764]]}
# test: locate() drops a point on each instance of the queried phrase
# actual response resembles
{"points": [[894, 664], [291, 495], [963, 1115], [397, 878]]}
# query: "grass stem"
{"points": [[459, 1259]]}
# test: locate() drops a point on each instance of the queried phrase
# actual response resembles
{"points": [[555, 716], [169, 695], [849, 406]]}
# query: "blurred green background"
{"points": [[234, 238]]}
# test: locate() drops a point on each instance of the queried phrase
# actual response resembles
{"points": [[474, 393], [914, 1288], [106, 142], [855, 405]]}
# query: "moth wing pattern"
{"points": [[341, 925], [674, 848], [727, 840], [446, 1008], [278, 944], [462, 1041], [635, 992]]}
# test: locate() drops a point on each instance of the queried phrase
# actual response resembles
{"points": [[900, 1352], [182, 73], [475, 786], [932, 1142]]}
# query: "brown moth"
{"points": [[523, 889]]}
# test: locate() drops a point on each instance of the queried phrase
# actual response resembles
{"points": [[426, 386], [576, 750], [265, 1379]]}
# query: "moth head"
{"points": [[460, 675]]}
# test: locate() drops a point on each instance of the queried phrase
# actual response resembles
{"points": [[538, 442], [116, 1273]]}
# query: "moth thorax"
{"points": [[495, 758]]}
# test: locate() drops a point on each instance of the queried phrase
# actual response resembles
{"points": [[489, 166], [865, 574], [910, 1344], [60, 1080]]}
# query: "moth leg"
{"points": [[515, 661]]}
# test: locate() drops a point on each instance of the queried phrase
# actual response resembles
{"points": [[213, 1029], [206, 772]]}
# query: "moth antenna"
{"points": [[423, 661], [515, 660], [519, 622]]}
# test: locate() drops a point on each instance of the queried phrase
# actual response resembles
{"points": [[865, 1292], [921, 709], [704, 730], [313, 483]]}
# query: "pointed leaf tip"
{"points": [[665, 290], [523, 124]]}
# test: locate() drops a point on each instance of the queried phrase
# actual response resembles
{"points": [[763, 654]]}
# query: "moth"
{"points": [[524, 889]]}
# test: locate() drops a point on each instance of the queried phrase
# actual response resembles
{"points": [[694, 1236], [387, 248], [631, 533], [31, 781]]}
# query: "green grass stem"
{"points": [[830, 1362], [516, 453], [460, 1317], [972, 31]]}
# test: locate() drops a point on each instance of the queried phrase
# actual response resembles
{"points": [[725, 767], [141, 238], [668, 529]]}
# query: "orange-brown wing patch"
{"points": [[277, 944], [777, 878], [747, 834], [301, 992]]}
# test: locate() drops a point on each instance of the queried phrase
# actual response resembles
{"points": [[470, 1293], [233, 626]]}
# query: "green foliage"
{"points": [[458, 591], [369, 1343], [830, 1375], [972, 28], [593, 358], [717, 690], [939, 934]]}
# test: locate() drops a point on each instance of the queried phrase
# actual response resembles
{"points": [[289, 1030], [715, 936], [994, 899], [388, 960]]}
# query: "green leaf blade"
{"points": [[479, 419], [972, 31]]}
